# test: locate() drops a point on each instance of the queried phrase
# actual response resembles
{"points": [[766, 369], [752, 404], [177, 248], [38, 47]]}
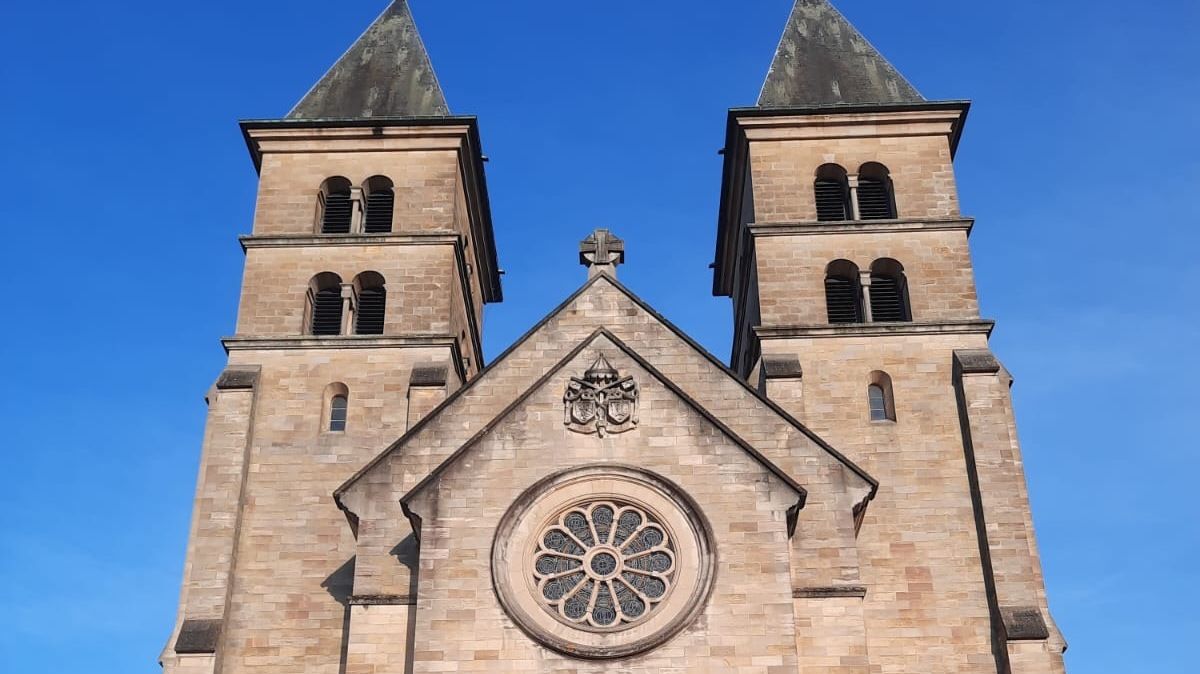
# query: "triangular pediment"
{"points": [[604, 345], [605, 307]]}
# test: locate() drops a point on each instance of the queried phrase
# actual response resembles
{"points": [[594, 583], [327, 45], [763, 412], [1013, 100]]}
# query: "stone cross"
{"points": [[601, 252]]}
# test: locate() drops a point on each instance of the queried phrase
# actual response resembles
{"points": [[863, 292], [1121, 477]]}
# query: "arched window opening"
{"points": [[337, 413], [380, 204], [337, 207], [336, 407], [832, 191], [880, 400], [325, 305], [372, 304], [843, 293], [875, 198], [889, 292]]}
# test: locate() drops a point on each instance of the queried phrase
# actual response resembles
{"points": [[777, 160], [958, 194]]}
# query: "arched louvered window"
{"points": [[325, 305], [832, 190], [338, 407], [889, 292], [337, 207], [875, 198], [880, 401], [372, 304], [380, 204], [843, 293]]}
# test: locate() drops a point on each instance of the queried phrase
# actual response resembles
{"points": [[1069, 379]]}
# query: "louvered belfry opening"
{"points": [[381, 202], [337, 207], [372, 303], [832, 190], [875, 199], [889, 302], [327, 312], [842, 293]]}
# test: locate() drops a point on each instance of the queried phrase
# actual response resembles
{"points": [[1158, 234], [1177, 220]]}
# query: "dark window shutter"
{"points": [[378, 218], [841, 300], [832, 200], [338, 212], [371, 305], [887, 300], [327, 312], [874, 199]]}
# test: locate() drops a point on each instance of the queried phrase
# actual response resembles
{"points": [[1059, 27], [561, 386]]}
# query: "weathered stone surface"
{"points": [[198, 637]]}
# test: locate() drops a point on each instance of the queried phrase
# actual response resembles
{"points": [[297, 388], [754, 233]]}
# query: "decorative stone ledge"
{"points": [[429, 375], [1024, 623], [833, 592], [198, 637], [861, 226], [782, 367], [234, 380], [980, 327], [342, 342], [325, 240], [977, 361], [383, 600]]}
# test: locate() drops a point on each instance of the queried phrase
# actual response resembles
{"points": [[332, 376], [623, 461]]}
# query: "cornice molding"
{"points": [[762, 229], [970, 327], [445, 238]]}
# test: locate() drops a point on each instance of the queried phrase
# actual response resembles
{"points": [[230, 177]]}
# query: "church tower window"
{"points": [[843, 293], [876, 200], [832, 190], [338, 408], [336, 206], [879, 397], [325, 305], [372, 304], [889, 292], [380, 204]]}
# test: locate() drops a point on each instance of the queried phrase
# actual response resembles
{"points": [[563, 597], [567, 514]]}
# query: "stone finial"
{"points": [[601, 252]]}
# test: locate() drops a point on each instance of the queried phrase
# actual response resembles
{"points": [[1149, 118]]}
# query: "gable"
{"points": [[604, 304]]}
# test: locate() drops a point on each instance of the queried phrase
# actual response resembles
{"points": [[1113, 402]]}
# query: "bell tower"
{"points": [[842, 245], [369, 262]]}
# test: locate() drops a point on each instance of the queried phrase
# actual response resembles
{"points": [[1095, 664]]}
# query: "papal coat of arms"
{"points": [[602, 402]]}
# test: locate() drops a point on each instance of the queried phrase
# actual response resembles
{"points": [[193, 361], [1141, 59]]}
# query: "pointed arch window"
{"points": [[370, 314], [843, 293], [325, 305], [880, 401], [889, 292], [336, 206], [876, 200], [380, 205], [832, 190]]}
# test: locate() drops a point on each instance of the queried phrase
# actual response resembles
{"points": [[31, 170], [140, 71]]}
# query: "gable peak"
{"points": [[822, 59], [385, 73]]}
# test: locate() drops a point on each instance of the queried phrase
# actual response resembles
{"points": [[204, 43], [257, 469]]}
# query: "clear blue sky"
{"points": [[127, 183]]}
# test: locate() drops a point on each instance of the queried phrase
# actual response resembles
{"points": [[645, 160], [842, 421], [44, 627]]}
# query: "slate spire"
{"points": [[386, 73], [823, 60]]}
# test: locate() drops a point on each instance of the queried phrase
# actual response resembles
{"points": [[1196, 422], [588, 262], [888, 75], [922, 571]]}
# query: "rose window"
{"points": [[604, 565]]}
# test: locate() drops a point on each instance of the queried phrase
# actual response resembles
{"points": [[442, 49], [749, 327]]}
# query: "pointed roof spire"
{"points": [[823, 60], [386, 73]]}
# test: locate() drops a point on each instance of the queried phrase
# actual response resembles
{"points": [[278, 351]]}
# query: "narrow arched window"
{"points": [[843, 293], [325, 305], [380, 204], [372, 304], [880, 401], [876, 200], [832, 190], [889, 292], [338, 408], [337, 207]]}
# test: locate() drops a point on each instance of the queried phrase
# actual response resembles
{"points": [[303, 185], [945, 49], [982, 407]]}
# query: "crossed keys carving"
{"points": [[602, 402]]}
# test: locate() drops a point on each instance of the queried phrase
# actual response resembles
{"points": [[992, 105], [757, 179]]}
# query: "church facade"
{"points": [[845, 495]]}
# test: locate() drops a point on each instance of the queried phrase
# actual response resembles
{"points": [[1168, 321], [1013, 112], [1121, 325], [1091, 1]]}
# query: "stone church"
{"points": [[845, 495]]}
